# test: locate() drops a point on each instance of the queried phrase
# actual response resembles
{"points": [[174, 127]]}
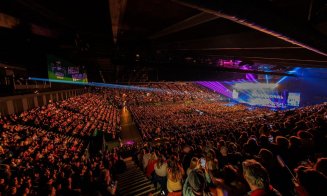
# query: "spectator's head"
{"points": [[282, 142], [12, 191], [265, 157], [222, 143], [232, 148], [252, 142], [320, 121], [211, 155], [244, 134], [2, 180], [295, 142], [255, 174], [263, 140], [195, 163], [304, 135], [321, 165], [312, 181]]}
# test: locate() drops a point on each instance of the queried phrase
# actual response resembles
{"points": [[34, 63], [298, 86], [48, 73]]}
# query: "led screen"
{"points": [[59, 69], [293, 99], [235, 94]]}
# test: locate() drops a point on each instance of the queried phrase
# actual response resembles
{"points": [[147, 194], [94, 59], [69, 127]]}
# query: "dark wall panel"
{"points": [[40, 100], [18, 105], [30, 102], [47, 97], [3, 108], [54, 97]]}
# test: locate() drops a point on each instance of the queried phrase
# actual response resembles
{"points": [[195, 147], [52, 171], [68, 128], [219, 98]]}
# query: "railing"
{"points": [[31, 86]]}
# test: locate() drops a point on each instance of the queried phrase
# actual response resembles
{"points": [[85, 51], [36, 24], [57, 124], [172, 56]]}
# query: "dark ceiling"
{"points": [[108, 34]]}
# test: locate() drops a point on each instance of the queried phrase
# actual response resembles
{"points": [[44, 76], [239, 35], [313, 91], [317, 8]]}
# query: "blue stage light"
{"points": [[98, 84], [289, 72]]}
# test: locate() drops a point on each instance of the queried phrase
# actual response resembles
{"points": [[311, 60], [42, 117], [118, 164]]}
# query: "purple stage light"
{"points": [[250, 77], [217, 87], [244, 67], [247, 76]]}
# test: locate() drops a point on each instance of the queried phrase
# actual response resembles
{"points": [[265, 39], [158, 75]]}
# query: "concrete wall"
{"points": [[20, 103]]}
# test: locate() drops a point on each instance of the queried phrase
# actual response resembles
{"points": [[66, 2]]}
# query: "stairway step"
{"points": [[132, 184], [128, 181], [135, 172], [158, 192], [145, 193], [132, 180], [131, 170], [141, 190], [132, 176], [131, 188], [132, 167], [130, 173]]}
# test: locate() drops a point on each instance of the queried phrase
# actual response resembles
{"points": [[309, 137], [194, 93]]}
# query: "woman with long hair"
{"points": [[175, 173], [150, 166], [160, 172]]}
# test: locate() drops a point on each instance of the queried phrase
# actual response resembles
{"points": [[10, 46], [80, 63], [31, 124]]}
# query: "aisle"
{"points": [[129, 130], [133, 181]]}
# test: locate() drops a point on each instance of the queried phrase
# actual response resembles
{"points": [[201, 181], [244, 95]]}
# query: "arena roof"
{"points": [[175, 34]]}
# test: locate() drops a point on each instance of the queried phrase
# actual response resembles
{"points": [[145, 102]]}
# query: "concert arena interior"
{"points": [[163, 97]]}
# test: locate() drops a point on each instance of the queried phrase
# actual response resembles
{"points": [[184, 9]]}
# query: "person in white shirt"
{"points": [[160, 169], [146, 158]]}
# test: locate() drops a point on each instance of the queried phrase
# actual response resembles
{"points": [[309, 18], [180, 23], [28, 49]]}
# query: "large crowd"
{"points": [[282, 148], [191, 118], [153, 93], [81, 116], [192, 145], [45, 151]]}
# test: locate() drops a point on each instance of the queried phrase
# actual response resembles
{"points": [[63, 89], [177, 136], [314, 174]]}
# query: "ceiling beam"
{"points": [[259, 16], [117, 10], [190, 22], [45, 12], [7, 66], [249, 48], [236, 40]]}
